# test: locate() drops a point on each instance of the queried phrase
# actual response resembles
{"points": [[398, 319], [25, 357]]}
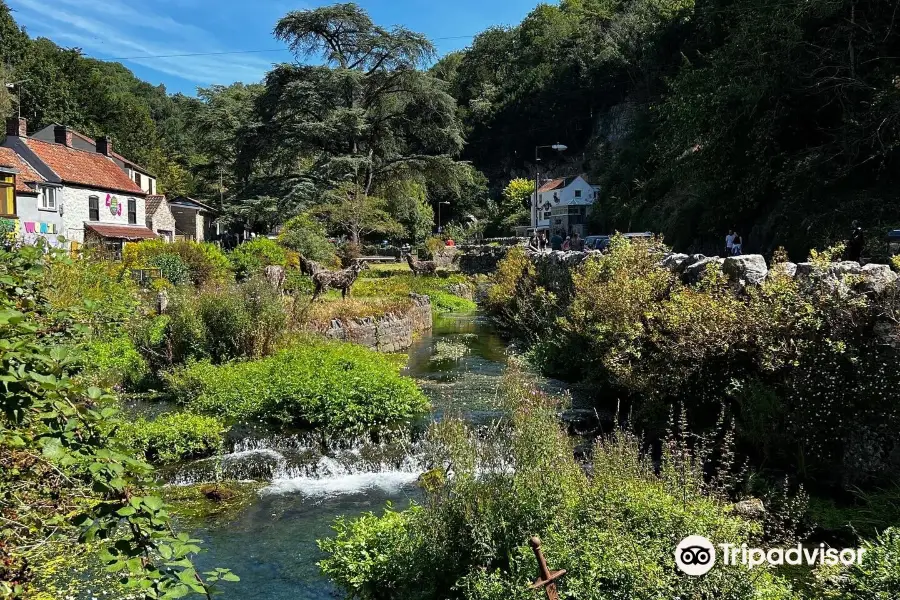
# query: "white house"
{"points": [[83, 195], [562, 205]]}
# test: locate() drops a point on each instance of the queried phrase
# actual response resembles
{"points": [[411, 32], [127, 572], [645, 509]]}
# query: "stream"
{"points": [[271, 544]]}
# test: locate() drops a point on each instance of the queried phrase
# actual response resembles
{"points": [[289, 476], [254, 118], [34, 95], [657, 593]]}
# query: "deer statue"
{"points": [[325, 280], [421, 267], [309, 267], [275, 277]]}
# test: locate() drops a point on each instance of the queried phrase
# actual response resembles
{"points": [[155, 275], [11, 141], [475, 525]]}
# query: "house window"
{"points": [[148, 222], [578, 193], [137, 178], [132, 211], [7, 195], [547, 215], [94, 208], [150, 185], [48, 198]]}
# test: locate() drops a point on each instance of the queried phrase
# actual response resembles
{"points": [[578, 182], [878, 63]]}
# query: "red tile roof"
{"points": [[114, 154], [84, 168], [125, 232], [8, 158]]}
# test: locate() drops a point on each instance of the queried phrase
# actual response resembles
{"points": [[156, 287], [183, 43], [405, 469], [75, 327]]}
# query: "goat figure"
{"points": [[343, 280], [309, 267], [421, 267]]}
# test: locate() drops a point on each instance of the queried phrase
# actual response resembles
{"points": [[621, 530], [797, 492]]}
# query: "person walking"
{"points": [[542, 241], [729, 243], [556, 241], [567, 245], [856, 242], [577, 243], [737, 244]]}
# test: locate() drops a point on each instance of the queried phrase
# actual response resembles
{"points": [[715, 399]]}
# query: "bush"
{"points": [[172, 268], [173, 437], [333, 385], [114, 361], [877, 578], [250, 258], [220, 323], [489, 492], [205, 262], [803, 361], [305, 235]]}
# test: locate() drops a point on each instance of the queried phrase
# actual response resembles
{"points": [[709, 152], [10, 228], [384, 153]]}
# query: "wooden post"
{"points": [[546, 579]]}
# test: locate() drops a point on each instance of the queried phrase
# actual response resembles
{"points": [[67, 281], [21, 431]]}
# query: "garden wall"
{"points": [[480, 260], [388, 333]]}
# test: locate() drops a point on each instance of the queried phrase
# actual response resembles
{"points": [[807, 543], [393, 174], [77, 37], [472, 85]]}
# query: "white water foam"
{"points": [[337, 485]]}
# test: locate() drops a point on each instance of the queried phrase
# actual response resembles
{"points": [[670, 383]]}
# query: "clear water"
{"points": [[271, 544]]}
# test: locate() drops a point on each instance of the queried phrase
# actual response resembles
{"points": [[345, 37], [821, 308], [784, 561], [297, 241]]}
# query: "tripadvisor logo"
{"points": [[695, 555]]}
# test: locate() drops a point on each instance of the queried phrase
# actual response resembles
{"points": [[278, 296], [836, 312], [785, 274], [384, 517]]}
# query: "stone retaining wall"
{"points": [[388, 333], [481, 260]]}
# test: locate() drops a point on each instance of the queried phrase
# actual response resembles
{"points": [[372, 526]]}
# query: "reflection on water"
{"points": [[311, 482]]}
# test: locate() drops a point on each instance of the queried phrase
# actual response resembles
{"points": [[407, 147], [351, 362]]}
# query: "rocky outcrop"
{"points": [[696, 271], [387, 333], [462, 290], [877, 279], [749, 268]]}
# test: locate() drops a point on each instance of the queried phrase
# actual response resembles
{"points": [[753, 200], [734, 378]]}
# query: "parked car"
{"points": [[596, 242]]}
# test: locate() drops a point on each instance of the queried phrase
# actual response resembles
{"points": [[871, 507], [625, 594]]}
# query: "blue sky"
{"points": [[119, 29]]}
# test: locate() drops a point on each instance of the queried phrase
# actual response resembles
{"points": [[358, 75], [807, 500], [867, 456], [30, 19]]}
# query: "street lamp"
{"points": [[439, 213], [537, 177], [17, 85]]}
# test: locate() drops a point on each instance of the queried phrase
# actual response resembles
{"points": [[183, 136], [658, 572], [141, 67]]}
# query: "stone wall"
{"points": [[480, 260], [388, 333]]}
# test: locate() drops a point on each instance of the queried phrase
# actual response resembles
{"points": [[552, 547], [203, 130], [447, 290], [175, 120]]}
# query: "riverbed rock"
{"points": [[752, 508], [805, 270], [876, 279], [844, 267], [460, 289], [673, 261], [749, 268]]}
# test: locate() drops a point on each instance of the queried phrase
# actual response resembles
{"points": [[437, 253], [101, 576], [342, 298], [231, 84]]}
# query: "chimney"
{"points": [[104, 145], [16, 127], [62, 135]]}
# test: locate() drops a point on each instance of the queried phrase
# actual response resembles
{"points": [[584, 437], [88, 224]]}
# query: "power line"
{"points": [[187, 54]]}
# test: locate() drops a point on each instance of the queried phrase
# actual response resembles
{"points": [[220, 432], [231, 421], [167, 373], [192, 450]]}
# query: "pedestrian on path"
{"points": [[729, 243], [737, 244], [556, 242], [856, 243]]}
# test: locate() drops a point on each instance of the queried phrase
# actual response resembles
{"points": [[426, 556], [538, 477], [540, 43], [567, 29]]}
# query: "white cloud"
{"points": [[119, 28]]}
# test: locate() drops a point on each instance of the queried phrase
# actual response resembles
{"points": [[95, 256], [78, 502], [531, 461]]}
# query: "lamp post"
{"points": [[439, 214], [537, 177], [17, 85]]}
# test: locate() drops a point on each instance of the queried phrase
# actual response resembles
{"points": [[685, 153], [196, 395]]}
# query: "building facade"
{"points": [[83, 195], [562, 205]]}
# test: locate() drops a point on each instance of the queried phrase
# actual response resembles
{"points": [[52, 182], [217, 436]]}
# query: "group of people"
{"points": [[734, 243], [540, 241]]}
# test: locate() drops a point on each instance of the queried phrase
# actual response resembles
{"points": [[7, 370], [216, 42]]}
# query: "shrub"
{"points": [[250, 258], [173, 437], [306, 235], [333, 385], [219, 323], [489, 492], [877, 578], [172, 268], [114, 361], [205, 262]]}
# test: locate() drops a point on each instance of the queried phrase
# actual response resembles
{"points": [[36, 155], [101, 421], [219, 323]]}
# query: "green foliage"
{"points": [[172, 268], [799, 359], [306, 236], [250, 258], [877, 578], [205, 263], [401, 285], [65, 478], [220, 323], [114, 361], [173, 437], [516, 202], [490, 491], [336, 386]]}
